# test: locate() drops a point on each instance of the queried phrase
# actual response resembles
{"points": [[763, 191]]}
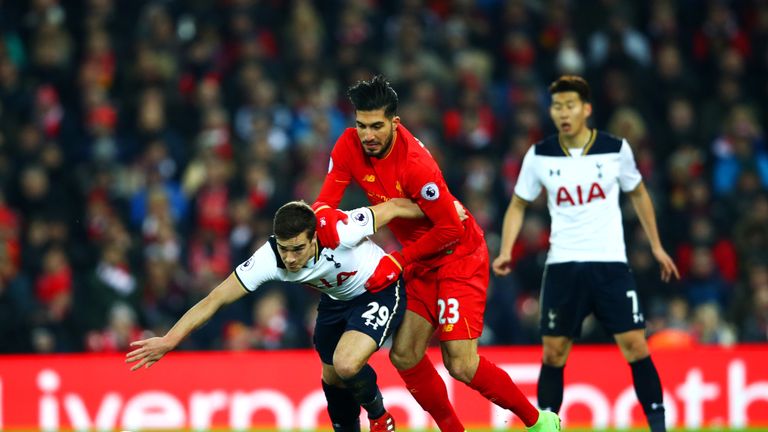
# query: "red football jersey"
{"points": [[407, 171]]}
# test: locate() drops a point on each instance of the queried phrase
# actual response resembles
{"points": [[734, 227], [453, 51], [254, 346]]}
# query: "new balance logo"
{"points": [[370, 178]]}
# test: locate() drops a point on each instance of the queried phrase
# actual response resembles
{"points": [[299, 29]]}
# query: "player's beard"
{"points": [[384, 148]]}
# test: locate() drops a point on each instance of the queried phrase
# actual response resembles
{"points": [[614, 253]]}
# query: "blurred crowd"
{"points": [[145, 144]]}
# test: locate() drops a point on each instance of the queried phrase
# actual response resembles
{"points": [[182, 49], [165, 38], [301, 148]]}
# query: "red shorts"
{"points": [[452, 296]]}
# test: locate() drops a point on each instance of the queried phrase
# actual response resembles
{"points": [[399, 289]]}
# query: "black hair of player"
{"points": [[572, 83], [374, 95], [292, 219]]}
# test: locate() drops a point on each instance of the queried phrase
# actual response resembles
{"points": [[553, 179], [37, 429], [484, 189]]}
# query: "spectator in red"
{"points": [[209, 253], [471, 124], [53, 287], [121, 330], [212, 199]]}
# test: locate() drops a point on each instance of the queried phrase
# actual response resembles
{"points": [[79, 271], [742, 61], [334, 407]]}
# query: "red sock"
{"points": [[498, 387], [429, 390]]}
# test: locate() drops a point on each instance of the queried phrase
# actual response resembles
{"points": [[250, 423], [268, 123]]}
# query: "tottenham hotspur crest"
{"points": [[552, 315]]}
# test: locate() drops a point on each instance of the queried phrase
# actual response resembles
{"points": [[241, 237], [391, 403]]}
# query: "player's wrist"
{"points": [[399, 259], [319, 205], [170, 341]]}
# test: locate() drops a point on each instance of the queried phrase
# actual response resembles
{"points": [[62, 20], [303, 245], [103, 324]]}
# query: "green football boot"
{"points": [[547, 422]]}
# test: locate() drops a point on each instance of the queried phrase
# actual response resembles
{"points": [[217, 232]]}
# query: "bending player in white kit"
{"points": [[352, 323]]}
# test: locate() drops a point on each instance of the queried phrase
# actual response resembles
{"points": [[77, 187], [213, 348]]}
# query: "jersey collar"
{"points": [[392, 147], [587, 146]]}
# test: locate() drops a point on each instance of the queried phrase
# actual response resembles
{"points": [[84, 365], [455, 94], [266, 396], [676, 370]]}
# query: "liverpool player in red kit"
{"points": [[444, 260]]}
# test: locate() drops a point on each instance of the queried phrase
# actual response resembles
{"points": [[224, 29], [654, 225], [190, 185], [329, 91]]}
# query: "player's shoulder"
{"points": [[361, 223], [346, 140], [549, 146], [349, 133], [415, 150], [360, 216], [605, 143], [347, 150]]}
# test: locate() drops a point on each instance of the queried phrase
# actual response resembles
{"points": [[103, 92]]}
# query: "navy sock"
{"points": [[343, 409], [550, 387], [363, 387], [649, 393]]}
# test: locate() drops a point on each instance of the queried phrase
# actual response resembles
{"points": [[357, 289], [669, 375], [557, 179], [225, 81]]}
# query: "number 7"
{"points": [[633, 295]]}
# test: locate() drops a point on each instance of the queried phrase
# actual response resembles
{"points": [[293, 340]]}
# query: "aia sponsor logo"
{"points": [[579, 195]]}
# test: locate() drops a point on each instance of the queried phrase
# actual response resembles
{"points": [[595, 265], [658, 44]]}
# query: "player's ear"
{"points": [[587, 109], [395, 121]]}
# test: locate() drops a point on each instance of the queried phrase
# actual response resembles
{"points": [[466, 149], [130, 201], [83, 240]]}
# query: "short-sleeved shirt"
{"points": [[583, 188], [340, 273]]}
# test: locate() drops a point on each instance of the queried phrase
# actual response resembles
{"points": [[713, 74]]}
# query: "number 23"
{"points": [[449, 311]]}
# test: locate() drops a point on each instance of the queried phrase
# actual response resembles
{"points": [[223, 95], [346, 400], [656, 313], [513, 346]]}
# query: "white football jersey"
{"points": [[340, 273], [582, 195]]}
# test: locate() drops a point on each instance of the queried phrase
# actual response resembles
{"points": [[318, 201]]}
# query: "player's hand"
{"points": [[460, 210], [389, 269], [668, 267], [502, 265], [326, 223], [149, 351]]}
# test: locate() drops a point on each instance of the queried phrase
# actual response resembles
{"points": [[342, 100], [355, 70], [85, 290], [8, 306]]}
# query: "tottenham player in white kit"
{"points": [[352, 323], [583, 170]]}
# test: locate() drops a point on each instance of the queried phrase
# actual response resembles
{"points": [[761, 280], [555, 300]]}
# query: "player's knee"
{"points": [[634, 350], [460, 369], [554, 356], [403, 359], [347, 368]]}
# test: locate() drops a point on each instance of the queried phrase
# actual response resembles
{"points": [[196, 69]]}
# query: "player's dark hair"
{"points": [[292, 219], [374, 95], [574, 83]]}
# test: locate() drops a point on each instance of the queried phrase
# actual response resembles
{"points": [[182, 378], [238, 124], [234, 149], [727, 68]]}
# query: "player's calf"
{"points": [[365, 390], [343, 409]]}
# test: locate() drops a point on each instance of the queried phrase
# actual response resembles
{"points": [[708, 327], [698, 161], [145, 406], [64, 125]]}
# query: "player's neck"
{"points": [[576, 141], [391, 146]]}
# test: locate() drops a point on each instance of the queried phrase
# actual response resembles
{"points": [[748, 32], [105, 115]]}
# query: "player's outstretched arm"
{"points": [[513, 221], [643, 205], [405, 208], [149, 351]]}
